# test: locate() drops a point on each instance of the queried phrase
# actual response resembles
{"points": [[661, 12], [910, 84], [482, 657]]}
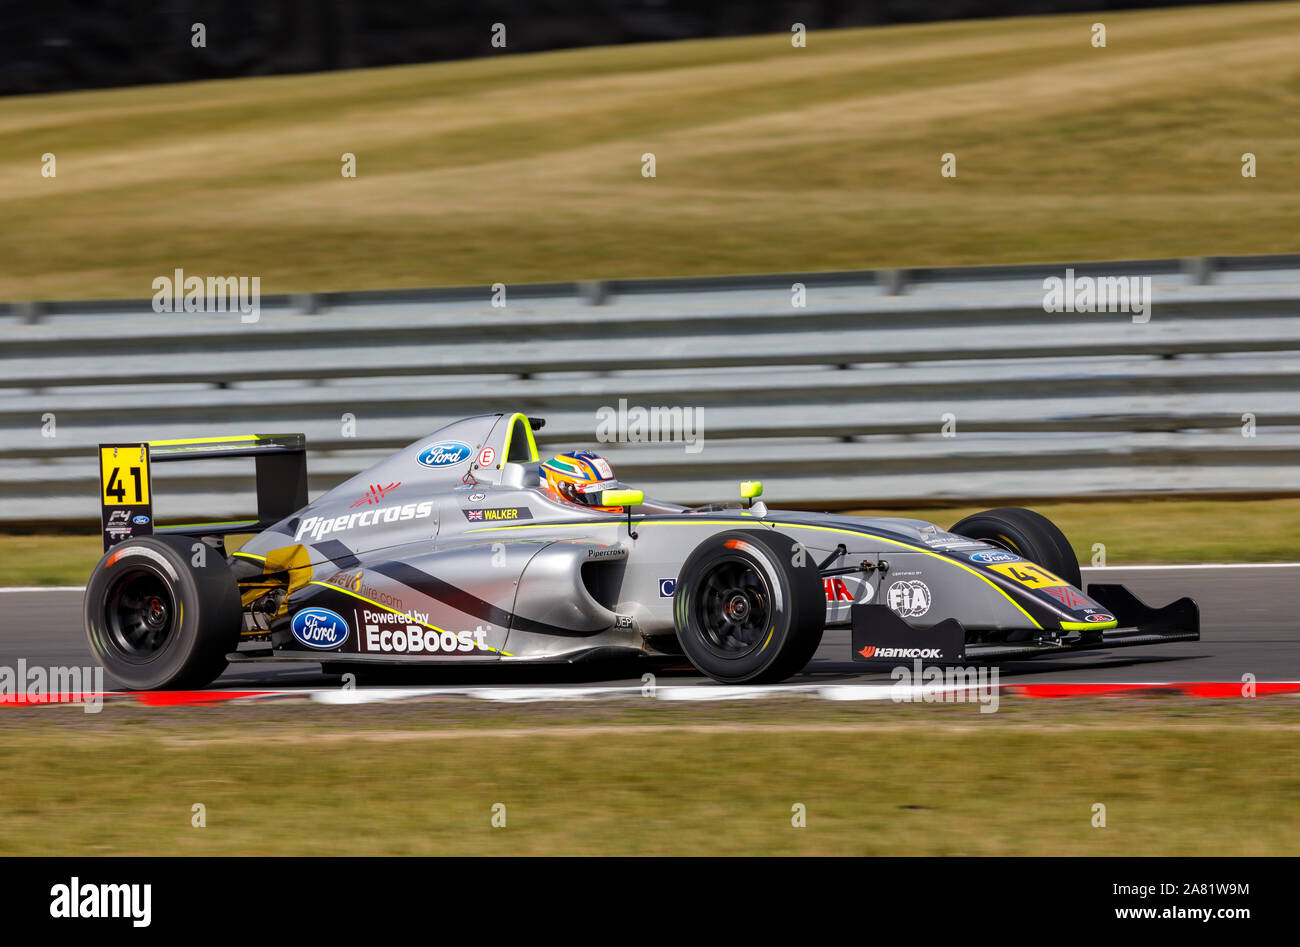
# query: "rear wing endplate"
{"points": [[126, 495]]}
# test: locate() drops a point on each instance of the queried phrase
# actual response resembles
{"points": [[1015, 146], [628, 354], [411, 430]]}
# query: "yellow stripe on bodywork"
{"points": [[339, 588], [201, 525], [203, 440], [618, 521], [928, 552], [1088, 625], [825, 529]]}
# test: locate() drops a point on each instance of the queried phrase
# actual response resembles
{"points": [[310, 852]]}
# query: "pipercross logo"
{"points": [[319, 527], [377, 493]]}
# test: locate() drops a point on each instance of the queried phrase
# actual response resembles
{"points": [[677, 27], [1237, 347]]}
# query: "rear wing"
{"points": [[126, 494]]}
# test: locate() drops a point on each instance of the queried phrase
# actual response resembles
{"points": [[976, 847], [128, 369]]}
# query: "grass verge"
{"points": [[1177, 777], [768, 158]]}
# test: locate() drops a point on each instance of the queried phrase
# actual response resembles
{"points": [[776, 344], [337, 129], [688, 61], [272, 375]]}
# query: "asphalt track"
{"points": [[1249, 624]]}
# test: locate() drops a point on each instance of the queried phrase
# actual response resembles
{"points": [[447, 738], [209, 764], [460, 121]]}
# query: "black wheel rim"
{"points": [[140, 614], [733, 609]]}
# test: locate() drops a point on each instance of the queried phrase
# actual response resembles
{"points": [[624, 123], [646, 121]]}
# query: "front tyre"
{"points": [[749, 607], [1025, 533], [155, 620]]}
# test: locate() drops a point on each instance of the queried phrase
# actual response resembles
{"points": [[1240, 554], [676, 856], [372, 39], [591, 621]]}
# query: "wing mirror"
{"points": [[621, 497], [626, 499], [750, 490]]}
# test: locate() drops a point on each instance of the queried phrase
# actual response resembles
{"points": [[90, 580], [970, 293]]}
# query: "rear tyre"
{"points": [[155, 620], [749, 607], [1025, 533]]}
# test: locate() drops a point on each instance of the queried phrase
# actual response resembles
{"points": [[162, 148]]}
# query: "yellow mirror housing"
{"points": [[750, 489], [621, 497]]}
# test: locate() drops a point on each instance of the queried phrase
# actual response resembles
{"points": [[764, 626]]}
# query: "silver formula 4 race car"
{"points": [[453, 550]]}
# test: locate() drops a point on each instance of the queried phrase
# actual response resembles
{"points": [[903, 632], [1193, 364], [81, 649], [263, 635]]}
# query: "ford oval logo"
{"points": [[141, 520], [444, 454], [319, 628], [988, 557]]}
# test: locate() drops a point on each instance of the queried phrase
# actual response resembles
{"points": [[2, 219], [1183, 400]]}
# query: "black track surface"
{"points": [[1249, 624]]}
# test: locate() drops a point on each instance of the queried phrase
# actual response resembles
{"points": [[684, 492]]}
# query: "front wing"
{"points": [[881, 637]]}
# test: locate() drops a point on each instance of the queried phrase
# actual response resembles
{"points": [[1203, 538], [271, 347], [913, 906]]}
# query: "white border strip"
{"points": [[895, 692], [42, 588], [1194, 565]]}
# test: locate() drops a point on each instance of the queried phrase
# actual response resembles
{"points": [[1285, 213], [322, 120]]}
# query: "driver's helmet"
{"points": [[579, 476]]}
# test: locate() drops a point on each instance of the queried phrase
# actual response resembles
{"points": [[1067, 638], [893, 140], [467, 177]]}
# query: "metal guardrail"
{"points": [[888, 386]]}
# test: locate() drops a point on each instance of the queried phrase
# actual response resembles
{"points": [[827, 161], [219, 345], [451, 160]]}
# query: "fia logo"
{"points": [[909, 598]]}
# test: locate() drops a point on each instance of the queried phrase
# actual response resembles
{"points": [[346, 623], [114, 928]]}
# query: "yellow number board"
{"points": [[124, 475], [1028, 574]]}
